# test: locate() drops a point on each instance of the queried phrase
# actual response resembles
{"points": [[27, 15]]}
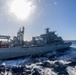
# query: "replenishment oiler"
{"points": [[17, 47]]}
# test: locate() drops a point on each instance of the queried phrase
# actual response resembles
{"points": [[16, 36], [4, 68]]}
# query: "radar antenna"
{"points": [[47, 30]]}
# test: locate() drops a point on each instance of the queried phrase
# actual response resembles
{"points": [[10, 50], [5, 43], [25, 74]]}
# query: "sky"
{"points": [[36, 15]]}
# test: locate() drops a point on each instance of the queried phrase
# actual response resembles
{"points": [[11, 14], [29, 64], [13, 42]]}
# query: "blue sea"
{"points": [[61, 62]]}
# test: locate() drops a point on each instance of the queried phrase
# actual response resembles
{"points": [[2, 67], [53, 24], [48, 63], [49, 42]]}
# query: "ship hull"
{"points": [[13, 52]]}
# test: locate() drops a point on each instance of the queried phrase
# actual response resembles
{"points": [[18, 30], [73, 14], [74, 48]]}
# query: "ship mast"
{"points": [[47, 30]]}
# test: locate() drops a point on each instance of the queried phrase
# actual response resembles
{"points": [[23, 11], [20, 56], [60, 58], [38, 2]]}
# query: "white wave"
{"points": [[13, 63], [64, 62], [71, 70], [73, 45], [42, 71], [48, 71]]}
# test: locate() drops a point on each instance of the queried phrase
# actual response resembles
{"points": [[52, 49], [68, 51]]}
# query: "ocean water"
{"points": [[61, 62]]}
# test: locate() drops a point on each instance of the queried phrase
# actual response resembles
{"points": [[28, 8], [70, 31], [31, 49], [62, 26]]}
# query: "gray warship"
{"points": [[17, 47]]}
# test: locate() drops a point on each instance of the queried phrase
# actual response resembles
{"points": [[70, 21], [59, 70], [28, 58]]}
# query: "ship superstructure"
{"points": [[48, 38], [19, 39]]}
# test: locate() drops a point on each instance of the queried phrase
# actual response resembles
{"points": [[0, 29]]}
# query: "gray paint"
{"points": [[13, 52]]}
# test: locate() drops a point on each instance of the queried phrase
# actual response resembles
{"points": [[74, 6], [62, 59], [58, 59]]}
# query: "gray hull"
{"points": [[6, 53]]}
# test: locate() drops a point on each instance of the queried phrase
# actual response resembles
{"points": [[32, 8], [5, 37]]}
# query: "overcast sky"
{"points": [[58, 15]]}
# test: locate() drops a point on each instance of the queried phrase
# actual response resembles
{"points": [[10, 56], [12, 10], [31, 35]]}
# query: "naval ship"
{"points": [[17, 47]]}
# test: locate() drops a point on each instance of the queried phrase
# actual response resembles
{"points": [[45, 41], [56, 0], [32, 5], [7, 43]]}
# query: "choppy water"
{"points": [[61, 62]]}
